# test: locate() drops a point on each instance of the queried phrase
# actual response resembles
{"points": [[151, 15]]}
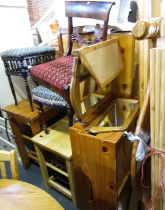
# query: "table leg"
{"points": [[69, 167], [43, 166], [20, 144], [12, 89]]}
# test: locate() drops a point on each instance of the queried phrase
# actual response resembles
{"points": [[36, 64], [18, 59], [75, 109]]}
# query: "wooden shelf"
{"points": [[33, 156], [59, 187]]}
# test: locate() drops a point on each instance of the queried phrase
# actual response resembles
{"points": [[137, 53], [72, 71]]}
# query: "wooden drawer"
{"points": [[5, 145]]}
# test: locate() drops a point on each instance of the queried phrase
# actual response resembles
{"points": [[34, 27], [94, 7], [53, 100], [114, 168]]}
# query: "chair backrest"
{"points": [[98, 10], [11, 157]]}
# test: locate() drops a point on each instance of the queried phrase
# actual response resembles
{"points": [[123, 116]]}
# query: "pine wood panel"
{"points": [[101, 167], [125, 79], [157, 116]]}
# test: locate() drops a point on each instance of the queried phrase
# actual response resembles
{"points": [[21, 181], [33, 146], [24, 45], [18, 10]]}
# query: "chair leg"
{"points": [[42, 116], [12, 89], [28, 92], [70, 113]]}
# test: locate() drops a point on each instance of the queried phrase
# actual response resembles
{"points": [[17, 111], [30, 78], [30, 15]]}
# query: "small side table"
{"points": [[56, 142], [21, 115]]}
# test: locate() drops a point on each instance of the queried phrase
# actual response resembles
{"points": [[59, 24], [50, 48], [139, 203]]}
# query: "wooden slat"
{"points": [[157, 114], [13, 165], [11, 157], [59, 187], [152, 111], [156, 8], [3, 170], [162, 113], [144, 12], [162, 120]]}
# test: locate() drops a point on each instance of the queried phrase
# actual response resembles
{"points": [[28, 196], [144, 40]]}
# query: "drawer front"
{"points": [[4, 135], [5, 145]]}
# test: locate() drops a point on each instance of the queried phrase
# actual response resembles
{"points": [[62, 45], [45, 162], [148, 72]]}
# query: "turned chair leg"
{"points": [[28, 92], [70, 113], [42, 117]]}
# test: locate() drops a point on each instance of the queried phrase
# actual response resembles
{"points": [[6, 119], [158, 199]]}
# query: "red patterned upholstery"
{"points": [[56, 73]]}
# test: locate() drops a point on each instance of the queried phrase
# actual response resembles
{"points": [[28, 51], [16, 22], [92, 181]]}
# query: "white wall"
{"points": [[15, 33]]}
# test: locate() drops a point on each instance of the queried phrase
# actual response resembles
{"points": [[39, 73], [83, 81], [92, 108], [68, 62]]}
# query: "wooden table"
{"points": [[18, 195], [21, 115]]}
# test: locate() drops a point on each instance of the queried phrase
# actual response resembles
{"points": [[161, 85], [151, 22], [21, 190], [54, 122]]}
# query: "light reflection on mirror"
{"points": [[118, 112]]}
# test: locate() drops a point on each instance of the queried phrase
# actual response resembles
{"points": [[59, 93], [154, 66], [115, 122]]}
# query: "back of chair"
{"points": [[11, 157], [98, 10]]}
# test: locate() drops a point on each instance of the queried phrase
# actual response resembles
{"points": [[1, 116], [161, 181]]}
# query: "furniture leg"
{"points": [[19, 143], [42, 164], [42, 116], [70, 113], [69, 167], [12, 89], [28, 92]]}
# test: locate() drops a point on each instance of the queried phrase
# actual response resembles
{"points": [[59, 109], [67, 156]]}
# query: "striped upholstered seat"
{"points": [[41, 94]]}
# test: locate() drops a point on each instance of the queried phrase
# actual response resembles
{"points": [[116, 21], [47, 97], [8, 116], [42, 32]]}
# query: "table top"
{"points": [[18, 195], [22, 112], [22, 109], [57, 140]]}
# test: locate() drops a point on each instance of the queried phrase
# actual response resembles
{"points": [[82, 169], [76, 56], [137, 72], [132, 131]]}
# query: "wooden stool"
{"points": [[56, 142]]}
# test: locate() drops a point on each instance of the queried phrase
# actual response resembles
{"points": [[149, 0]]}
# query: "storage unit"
{"points": [[56, 164]]}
